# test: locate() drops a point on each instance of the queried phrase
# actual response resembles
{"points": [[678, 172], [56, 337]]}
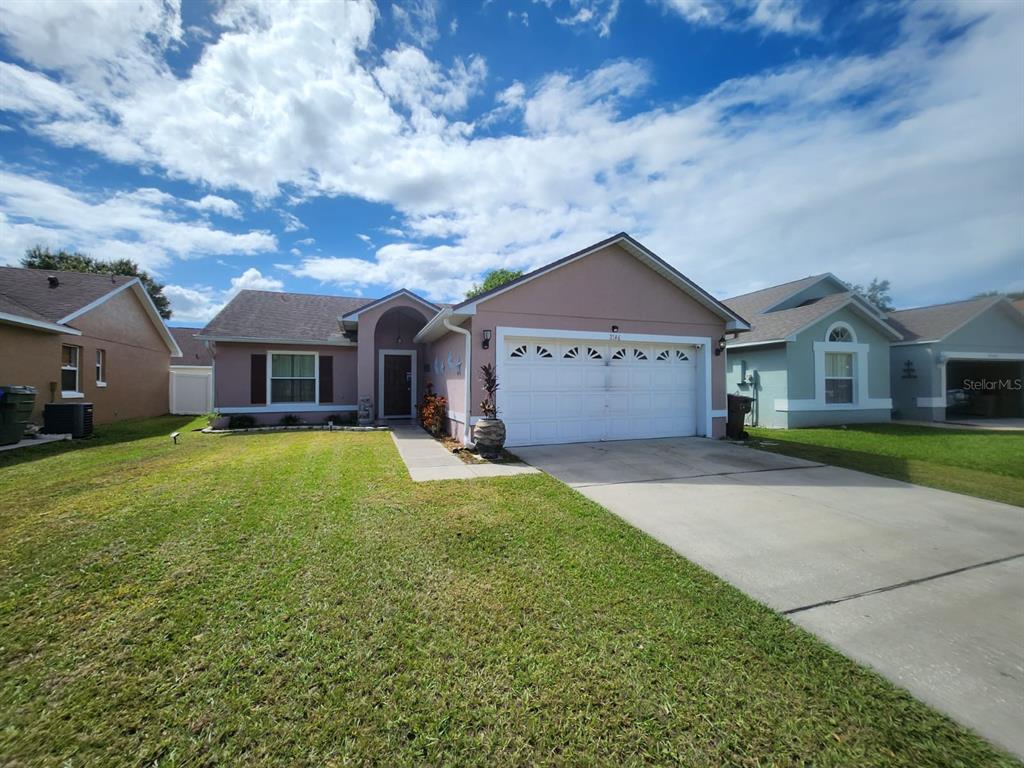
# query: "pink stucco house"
{"points": [[607, 343]]}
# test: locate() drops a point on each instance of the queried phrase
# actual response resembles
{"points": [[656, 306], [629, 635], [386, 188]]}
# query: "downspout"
{"points": [[467, 367]]}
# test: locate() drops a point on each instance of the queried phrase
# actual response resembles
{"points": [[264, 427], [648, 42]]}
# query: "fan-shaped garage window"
{"points": [[663, 355], [593, 354], [639, 354], [543, 351], [619, 354], [681, 356], [520, 351], [572, 353]]}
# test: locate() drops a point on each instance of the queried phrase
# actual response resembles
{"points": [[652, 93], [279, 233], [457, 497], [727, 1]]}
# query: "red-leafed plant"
{"points": [[489, 378], [433, 412]]}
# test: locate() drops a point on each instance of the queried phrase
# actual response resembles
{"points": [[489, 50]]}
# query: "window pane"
{"points": [[838, 364], [838, 390], [69, 381], [286, 366], [69, 355], [292, 391]]}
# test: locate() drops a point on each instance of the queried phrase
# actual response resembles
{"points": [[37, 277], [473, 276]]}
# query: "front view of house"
{"points": [[607, 343]]}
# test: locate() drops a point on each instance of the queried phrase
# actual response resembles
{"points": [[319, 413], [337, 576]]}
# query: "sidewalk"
{"points": [[426, 459]]}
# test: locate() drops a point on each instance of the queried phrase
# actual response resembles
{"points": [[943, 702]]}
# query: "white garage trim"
{"points": [[701, 343]]}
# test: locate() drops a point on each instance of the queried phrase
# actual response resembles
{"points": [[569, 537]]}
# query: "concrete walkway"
{"points": [[925, 586], [39, 439], [426, 459]]}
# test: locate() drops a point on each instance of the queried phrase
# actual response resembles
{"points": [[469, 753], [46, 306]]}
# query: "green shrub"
{"points": [[346, 419], [290, 420], [241, 421]]}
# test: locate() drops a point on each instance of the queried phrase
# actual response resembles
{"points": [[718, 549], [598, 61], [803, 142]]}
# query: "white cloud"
{"points": [[896, 164], [598, 14], [292, 223], [417, 19], [200, 303], [218, 205], [306, 241], [145, 224], [787, 17]]}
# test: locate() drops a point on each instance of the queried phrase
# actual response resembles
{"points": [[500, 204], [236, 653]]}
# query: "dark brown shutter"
{"points": [[326, 378], [258, 379]]}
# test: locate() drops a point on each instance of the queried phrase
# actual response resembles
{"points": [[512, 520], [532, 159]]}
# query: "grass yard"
{"points": [[292, 598], [989, 465]]}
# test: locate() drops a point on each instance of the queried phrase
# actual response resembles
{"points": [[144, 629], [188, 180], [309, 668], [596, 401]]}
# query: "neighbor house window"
{"points": [[293, 378], [69, 357], [101, 367], [838, 377]]}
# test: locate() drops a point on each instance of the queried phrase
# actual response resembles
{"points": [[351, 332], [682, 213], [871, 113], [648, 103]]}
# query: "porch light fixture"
{"points": [[398, 339], [486, 343], [720, 347], [615, 329]]}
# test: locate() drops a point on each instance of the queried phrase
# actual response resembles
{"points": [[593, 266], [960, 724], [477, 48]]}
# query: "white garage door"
{"points": [[190, 390], [567, 390]]}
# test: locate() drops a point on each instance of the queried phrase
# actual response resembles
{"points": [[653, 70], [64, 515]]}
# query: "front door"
{"points": [[397, 386]]}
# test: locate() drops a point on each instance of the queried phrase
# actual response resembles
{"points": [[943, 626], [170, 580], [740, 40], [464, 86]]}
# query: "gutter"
{"points": [[468, 367]]}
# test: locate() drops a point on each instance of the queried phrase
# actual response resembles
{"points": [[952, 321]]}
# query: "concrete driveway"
{"points": [[925, 586]]}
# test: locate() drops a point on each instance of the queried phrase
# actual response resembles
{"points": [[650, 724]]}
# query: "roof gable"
{"points": [[353, 315], [193, 350], [785, 295], [635, 249]]}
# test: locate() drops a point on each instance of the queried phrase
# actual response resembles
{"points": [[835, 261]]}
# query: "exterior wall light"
{"points": [[720, 347], [486, 343], [615, 329]]}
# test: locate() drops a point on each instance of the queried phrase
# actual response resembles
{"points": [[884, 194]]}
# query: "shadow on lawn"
{"points": [[973, 482], [106, 434]]}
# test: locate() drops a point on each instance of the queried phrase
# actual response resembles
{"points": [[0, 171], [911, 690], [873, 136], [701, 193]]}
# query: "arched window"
{"points": [[840, 332]]}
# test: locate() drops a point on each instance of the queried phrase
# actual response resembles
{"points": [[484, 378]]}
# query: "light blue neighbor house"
{"points": [[963, 360], [816, 354]]}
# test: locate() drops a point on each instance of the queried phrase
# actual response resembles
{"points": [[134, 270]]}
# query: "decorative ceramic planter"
{"points": [[489, 436]]}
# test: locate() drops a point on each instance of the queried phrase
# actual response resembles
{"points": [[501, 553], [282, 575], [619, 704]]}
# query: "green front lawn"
{"points": [[989, 465], [293, 599]]}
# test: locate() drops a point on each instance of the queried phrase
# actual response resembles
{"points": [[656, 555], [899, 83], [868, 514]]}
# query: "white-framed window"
{"points": [[69, 358], [838, 377], [293, 377], [840, 332], [101, 367]]}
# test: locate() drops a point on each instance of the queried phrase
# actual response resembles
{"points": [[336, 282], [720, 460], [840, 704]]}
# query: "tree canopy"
{"points": [[492, 280], [877, 293], [39, 257]]}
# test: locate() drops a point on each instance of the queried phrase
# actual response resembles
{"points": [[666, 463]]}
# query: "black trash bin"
{"points": [[739, 407], [16, 404]]}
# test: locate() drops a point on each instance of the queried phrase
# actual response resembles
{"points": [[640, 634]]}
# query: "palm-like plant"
{"points": [[489, 378]]}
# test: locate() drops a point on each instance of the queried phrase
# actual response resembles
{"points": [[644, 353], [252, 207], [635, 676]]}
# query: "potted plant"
{"points": [[489, 432]]}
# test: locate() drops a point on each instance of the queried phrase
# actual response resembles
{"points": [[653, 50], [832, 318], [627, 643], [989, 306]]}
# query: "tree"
{"points": [[39, 257], [492, 280], [876, 293]]}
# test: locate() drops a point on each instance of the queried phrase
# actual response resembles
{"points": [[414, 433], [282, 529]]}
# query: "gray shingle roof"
{"points": [[776, 326], [193, 351], [285, 316], [750, 304], [28, 290], [939, 320]]}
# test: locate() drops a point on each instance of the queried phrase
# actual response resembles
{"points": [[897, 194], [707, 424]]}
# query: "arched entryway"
{"points": [[398, 383]]}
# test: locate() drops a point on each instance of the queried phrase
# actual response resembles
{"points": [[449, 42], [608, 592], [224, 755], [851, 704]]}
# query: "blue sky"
{"points": [[354, 148]]}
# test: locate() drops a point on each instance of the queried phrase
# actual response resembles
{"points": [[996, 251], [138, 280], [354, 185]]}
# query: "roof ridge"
{"points": [[949, 303], [313, 295], [46, 270], [778, 285]]}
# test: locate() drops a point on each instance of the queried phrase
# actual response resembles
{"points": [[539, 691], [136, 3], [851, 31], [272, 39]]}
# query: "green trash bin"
{"points": [[16, 404]]}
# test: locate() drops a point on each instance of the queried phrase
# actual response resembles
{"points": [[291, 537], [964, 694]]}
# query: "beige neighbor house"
{"points": [[607, 343], [79, 337]]}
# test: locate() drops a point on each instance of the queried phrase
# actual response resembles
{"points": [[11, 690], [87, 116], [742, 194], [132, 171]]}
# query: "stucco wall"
{"points": [[608, 287], [801, 356], [232, 371], [768, 364], [137, 361], [905, 390], [450, 382]]}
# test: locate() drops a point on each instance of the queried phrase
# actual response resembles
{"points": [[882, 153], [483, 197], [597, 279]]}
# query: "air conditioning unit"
{"points": [[73, 419]]}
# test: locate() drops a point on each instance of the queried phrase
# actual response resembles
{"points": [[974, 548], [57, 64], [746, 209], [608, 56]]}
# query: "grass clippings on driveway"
{"points": [[294, 599], [986, 464]]}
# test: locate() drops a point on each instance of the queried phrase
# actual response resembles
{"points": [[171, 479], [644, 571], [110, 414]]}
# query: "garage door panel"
{"points": [[564, 390]]}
